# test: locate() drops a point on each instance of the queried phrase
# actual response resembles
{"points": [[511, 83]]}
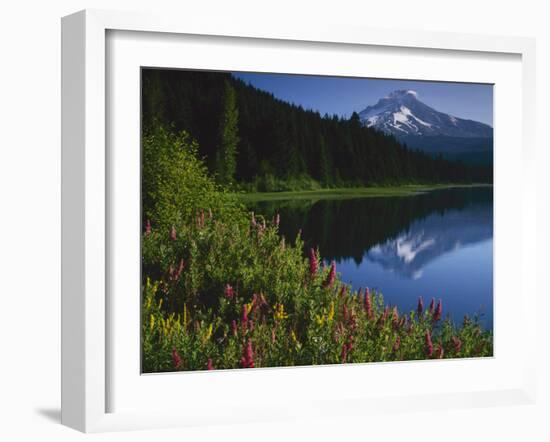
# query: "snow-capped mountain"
{"points": [[402, 114]]}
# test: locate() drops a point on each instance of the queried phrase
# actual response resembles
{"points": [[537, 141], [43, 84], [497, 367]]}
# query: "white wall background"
{"points": [[30, 215]]}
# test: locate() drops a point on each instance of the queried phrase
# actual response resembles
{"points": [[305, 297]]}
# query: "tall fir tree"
{"points": [[226, 156]]}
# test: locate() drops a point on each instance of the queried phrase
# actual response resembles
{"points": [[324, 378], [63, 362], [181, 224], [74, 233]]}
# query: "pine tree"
{"points": [[226, 157]]}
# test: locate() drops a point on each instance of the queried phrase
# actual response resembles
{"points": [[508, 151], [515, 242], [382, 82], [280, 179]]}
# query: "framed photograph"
{"points": [[263, 223]]}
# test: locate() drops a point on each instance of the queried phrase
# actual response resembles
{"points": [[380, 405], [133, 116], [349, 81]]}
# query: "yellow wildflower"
{"points": [[151, 323], [208, 334], [330, 316], [279, 312]]}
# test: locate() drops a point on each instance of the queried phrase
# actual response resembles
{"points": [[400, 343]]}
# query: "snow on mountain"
{"points": [[401, 113]]}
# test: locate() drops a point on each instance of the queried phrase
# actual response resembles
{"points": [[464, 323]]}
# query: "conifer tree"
{"points": [[226, 157]]}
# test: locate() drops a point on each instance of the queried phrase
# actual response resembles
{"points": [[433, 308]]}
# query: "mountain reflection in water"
{"points": [[435, 244]]}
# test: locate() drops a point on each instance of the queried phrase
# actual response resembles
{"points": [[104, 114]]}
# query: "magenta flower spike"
{"points": [[247, 360], [313, 263], [173, 233], [457, 344], [429, 345], [176, 358], [148, 227], [438, 311], [420, 306], [329, 282], [397, 344], [368, 304], [229, 292], [432, 306]]}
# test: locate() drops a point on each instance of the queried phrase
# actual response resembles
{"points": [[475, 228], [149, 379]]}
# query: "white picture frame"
{"points": [[86, 315]]}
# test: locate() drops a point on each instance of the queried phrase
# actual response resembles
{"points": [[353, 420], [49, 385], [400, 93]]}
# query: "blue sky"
{"points": [[342, 96]]}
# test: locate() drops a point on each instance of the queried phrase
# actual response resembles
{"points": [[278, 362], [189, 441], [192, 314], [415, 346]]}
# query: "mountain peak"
{"points": [[401, 113], [402, 93]]}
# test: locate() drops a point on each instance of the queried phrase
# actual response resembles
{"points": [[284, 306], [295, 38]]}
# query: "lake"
{"points": [[436, 244]]}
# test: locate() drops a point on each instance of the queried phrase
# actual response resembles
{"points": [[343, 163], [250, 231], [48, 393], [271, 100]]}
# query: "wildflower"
{"points": [[329, 282], [429, 345], [173, 233], [330, 315], [152, 323], [368, 304], [209, 364], [229, 292], [148, 227], [208, 334], [457, 344], [277, 220], [438, 311], [244, 317], [345, 312], [174, 274], [395, 317], [344, 353], [347, 347], [176, 358], [273, 336], [439, 351], [397, 344], [313, 263], [200, 220], [234, 327], [420, 306], [279, 313], [247, 360], [432, 306], [343, 291]]}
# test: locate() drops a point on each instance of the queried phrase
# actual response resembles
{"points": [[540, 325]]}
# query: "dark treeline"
{"points": [[246, 134]]}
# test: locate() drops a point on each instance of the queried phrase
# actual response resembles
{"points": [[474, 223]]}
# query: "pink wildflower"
{"points": [[234, 327], [209, 365], [148, 227], [173, 233], [439, 351], [313, 263], [178, 272], [432, 306], [329, 282], [429, 345], [420, 306], [247, 360], [176, 358], [438, 311], [397, 344], [229, 292], [395, 317], [457, 344], [368, 304]]}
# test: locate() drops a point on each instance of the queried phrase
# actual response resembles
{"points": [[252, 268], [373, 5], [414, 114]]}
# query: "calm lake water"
{"points": [[438, 244]]}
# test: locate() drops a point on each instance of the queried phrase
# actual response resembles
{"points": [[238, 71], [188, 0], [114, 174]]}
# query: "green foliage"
{"points": [[175, 183]]}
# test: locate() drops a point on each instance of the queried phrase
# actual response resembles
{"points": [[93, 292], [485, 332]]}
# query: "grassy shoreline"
{"points": [[351, 192]]}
